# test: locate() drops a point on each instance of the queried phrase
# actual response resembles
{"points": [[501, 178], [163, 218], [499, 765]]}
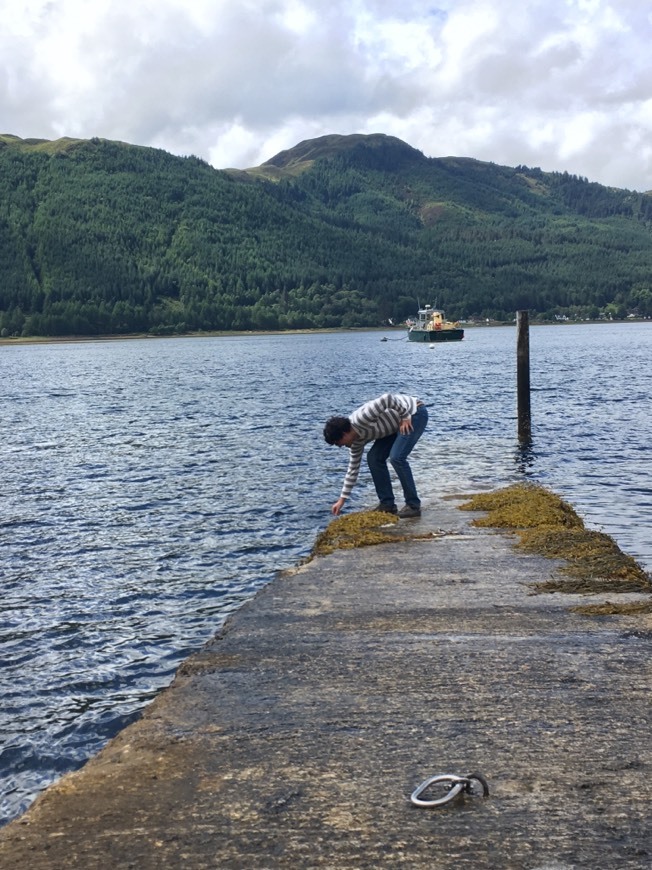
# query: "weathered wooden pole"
{"points": [[523, 377]]}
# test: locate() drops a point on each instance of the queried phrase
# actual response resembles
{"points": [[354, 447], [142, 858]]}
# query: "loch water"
{"points": [[151, 486]]}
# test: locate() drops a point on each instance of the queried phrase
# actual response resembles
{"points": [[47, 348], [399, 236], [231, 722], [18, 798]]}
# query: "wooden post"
{"points": [[523, 376]]}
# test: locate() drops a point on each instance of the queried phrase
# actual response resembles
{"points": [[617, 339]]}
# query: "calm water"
{"points": [[150, 487]]}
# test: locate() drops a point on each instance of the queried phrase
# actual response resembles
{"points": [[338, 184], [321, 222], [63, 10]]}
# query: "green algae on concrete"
{"points": [[549, 526]]}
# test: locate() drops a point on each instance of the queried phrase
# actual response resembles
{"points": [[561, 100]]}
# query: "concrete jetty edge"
{"points": [[295, 737]]}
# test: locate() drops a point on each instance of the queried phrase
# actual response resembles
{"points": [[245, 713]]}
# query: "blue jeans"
{"points": [[397, 448]]}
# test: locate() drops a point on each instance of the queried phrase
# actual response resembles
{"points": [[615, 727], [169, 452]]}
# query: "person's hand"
{"points": [[337, 507], [405, 426]]}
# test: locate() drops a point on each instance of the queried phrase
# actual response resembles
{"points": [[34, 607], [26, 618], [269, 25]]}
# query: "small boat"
{"points": [[431, 325]]}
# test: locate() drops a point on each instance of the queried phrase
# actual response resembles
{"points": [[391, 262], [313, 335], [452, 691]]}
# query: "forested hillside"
{"points": [[100, 237]]}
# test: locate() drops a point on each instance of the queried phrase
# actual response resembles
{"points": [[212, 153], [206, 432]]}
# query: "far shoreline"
{"points": [[135, 336]]}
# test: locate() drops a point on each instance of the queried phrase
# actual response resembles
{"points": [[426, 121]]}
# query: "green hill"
{"points": [[101, 237]]}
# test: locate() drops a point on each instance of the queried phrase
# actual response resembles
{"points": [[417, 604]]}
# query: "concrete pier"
{"points": [[295, 738]]}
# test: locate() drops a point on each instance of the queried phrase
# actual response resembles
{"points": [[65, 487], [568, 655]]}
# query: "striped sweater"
{"points": [[375, 419]]}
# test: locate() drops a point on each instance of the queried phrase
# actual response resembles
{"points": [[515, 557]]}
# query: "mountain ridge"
{"points": [[304, 152]]}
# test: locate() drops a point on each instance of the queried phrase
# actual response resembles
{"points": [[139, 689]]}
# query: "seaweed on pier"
{"points": [[359, 529], [609, 608], [523, 506], [549, 526]]}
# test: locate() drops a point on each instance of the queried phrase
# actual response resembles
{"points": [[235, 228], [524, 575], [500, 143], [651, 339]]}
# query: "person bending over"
{"points": [[394, 422]]}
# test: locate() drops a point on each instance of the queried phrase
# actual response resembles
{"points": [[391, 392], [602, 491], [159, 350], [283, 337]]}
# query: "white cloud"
{"points": [[565, 84]]}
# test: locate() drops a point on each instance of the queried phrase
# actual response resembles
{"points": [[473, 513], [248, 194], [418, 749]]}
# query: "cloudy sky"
{"points": [[560, 84]]}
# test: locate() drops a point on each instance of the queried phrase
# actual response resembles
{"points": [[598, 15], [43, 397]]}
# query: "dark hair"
{"points": [[336, 427]]}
